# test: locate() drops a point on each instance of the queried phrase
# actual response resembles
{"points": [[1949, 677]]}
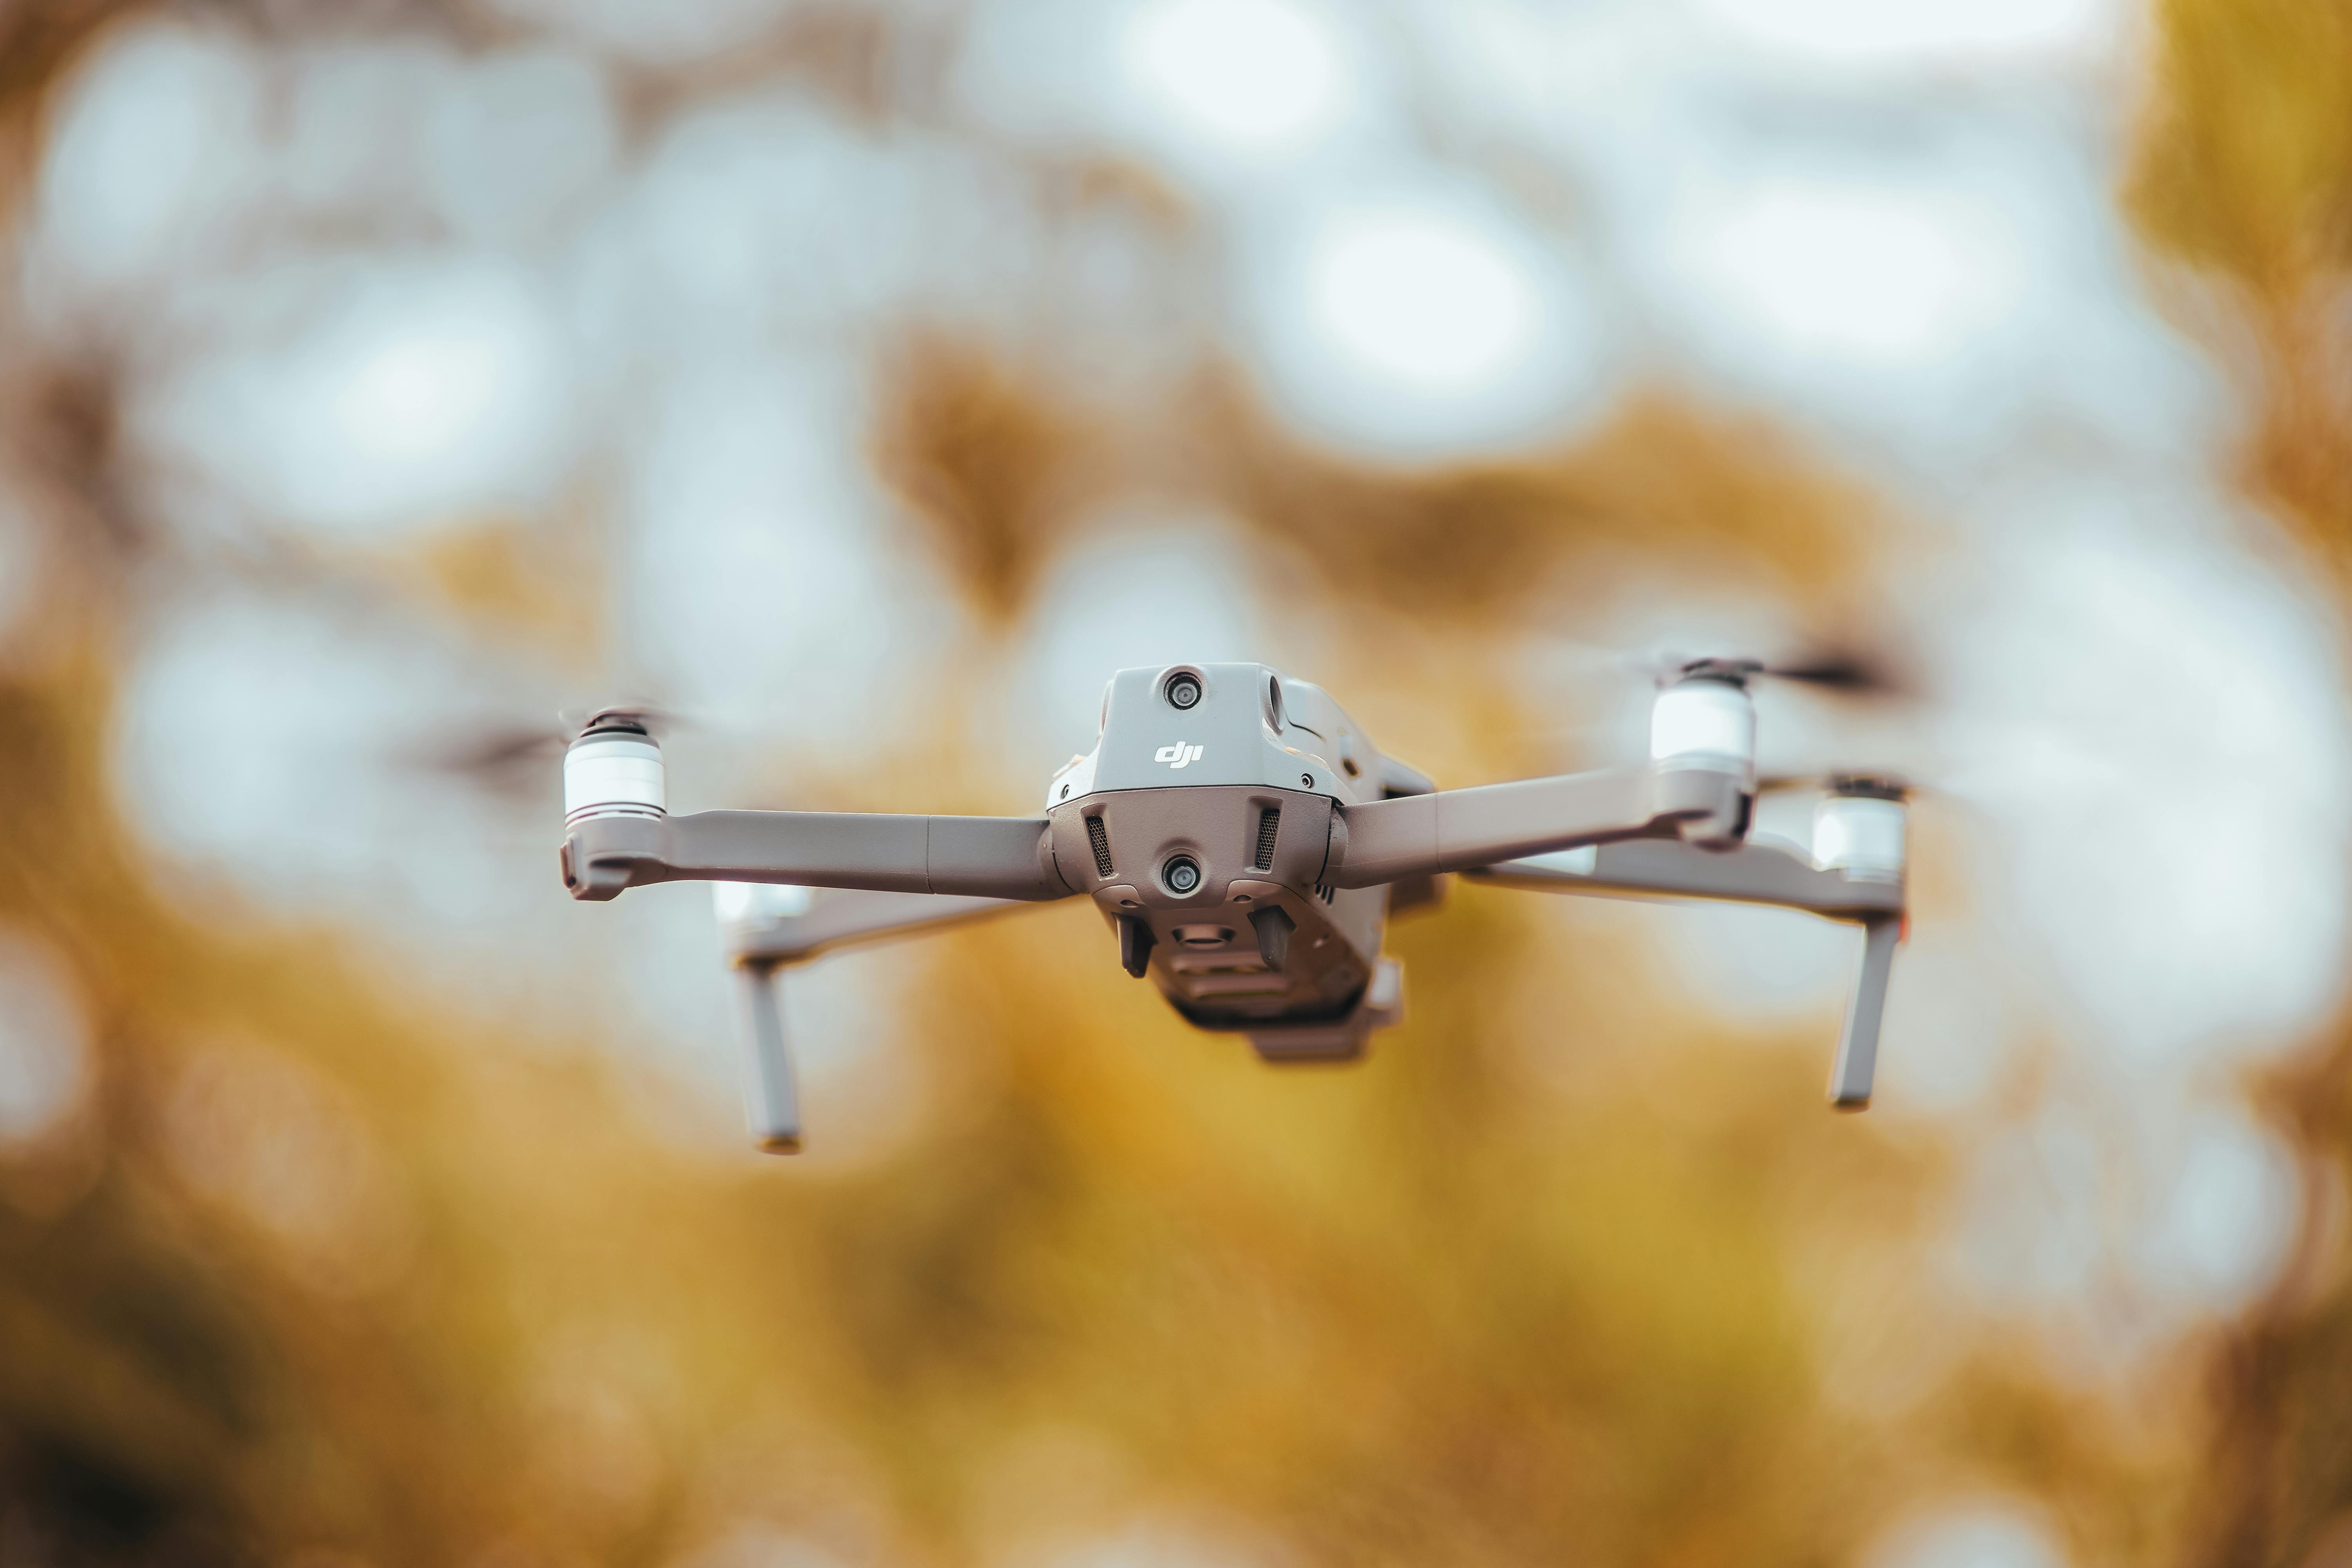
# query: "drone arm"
{"points": [[767, 929], [990, 856], [771, 1099], [1463, 829], [987, 856], [835, 919], [1754, 873], [1857, 1054]]}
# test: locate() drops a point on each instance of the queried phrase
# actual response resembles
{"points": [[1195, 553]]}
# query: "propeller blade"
{"points": [[1846, 782], [518, 759], [1846, 668], [505, 761], [1843, 670]]}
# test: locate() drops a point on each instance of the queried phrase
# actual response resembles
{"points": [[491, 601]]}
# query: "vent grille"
{"points": [[1269, 823], [1099, 837]]}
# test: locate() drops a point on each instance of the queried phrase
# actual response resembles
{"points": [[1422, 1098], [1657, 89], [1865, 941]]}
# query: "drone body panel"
{"points": [[1238, 782], [1249, 724], [1255, 849]]}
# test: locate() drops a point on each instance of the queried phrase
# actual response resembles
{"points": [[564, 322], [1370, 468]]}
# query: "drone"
{"points": [[1247, 846]]}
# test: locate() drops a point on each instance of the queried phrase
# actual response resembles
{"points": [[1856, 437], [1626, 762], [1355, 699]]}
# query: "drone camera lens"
{"points": [[1182, 874], [1183, 691]]}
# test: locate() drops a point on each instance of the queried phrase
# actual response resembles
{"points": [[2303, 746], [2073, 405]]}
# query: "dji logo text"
{"points": [[1179, 755]]}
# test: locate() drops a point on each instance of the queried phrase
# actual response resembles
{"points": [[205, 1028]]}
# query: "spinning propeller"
{"points": [[506, 757], [1835, 669]]}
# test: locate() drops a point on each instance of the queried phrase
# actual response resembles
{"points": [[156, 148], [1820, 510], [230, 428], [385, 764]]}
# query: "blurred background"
{"points": [[870, 379]]}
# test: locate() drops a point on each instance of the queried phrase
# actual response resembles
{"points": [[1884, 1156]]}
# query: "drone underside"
{"points": [[1247, 846]]}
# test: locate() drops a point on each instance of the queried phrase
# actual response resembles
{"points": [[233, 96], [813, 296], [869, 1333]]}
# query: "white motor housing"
{"points": [[1861, 836], [613, 773], [1704, 722]]}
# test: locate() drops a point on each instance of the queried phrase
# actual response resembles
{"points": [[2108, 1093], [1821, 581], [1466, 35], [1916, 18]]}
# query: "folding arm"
{"points": [[772, 1102], [829, 919], [1755, 873], [1463, 829], [984, 856], [1857, 1056], [765, 930]]}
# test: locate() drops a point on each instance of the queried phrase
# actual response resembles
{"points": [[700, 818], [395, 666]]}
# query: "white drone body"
{"points": [[1248, 846]]}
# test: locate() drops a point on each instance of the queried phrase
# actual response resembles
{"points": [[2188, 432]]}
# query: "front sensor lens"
{"points": [[1182, 874], [1183, 691]]}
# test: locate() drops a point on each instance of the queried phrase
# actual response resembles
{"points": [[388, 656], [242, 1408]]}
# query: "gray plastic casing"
{"points": [[1250, 727]]}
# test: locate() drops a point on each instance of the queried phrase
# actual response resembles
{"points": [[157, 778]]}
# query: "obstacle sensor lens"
{"points": [[1183, 691], [1183, 874]]}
